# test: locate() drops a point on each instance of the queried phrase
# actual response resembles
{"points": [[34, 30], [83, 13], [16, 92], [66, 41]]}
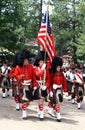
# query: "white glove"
{"points": [[43, 88], [43, 66], [35, 88], [65, 93], [51, 94]]}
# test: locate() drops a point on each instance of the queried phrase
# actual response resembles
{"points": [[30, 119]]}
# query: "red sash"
{"points": [[1, 77], [79, 77], [5, 71]]}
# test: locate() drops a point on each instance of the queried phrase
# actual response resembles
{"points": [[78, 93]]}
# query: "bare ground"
{"points": [[10, 119]]}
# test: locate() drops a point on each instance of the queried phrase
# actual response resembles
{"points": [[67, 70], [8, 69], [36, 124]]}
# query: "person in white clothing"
{"points": [[5, 69], [79, 87]]}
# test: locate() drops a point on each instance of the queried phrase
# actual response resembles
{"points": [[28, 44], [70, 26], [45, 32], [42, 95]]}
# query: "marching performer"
{"points": [[58, 85], [5, 69], [24, 73], [79, 92], [71, 80], [14, 82], [67, 75], [84, 77], [42, 81]]}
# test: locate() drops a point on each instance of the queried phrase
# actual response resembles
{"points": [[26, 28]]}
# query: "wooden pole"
{"points": [[46, 30]]}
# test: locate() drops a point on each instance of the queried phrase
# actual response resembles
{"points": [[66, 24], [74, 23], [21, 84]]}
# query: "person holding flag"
{"points": [[41, 74], [45, 37], [46, 41]]}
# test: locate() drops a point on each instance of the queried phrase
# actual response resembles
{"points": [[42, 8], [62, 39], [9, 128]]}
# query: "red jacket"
{"points": [[42, 75], [11, 73], [58, 79], [25, 72]]}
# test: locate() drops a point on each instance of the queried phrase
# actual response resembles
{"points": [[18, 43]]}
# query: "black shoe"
{"points": [[24, 118], [17, 109], [58, 120], [3, 97], [79, 108], [41, 119]]}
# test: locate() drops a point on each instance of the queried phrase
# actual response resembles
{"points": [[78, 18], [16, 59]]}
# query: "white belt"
{"points": [[55, 86], [27, 82], [40, 82], [13, 80]]}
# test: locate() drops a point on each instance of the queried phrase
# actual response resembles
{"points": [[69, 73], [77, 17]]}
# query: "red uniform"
{"points": [[28, 73], [58, 85], [59, 79], [43, 84], [11, 72], [41, 75], [25, 75], [15, 88]]}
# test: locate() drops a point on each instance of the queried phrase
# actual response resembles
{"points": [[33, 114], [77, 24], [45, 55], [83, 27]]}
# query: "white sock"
{"points": [[51, 111], [4, 95], [24, 113], [38, 111], [58, 115], [42, 114], [79, 105], [17, 106], [73, 101]]}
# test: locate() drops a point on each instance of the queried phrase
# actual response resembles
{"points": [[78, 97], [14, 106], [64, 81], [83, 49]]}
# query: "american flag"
{"points": [[45, 37]]}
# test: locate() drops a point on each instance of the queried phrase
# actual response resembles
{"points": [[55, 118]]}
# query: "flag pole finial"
{"points": [[48, 4]]}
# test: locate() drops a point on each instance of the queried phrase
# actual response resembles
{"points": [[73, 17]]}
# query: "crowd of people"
{"points": [[75, 79], [42, 81]]}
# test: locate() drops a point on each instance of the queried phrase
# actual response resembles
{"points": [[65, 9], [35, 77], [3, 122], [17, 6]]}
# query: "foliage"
{"points": [[20, 21], [68, 20]]}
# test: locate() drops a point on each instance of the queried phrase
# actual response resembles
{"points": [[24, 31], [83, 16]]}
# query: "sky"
{"points": [[44, 7]]}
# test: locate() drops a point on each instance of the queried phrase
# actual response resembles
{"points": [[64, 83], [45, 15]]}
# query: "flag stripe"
{"points": [[45, 38], [45, 47]]}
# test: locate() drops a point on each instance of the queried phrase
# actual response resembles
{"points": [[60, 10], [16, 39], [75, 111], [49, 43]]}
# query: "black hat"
{"points": [[24, 54], [40, 56], [57, 61]]}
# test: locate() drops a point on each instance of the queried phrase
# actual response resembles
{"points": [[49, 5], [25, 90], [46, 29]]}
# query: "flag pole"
{"points": [[46, 40], [47, 11]]}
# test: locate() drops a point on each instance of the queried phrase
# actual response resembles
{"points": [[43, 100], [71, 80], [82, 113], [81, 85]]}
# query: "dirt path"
{"points": [[10, 119]]}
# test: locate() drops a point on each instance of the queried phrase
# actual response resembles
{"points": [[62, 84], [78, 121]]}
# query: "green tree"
{"points": [[19, 22], [81, 39], [66, 20]]}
